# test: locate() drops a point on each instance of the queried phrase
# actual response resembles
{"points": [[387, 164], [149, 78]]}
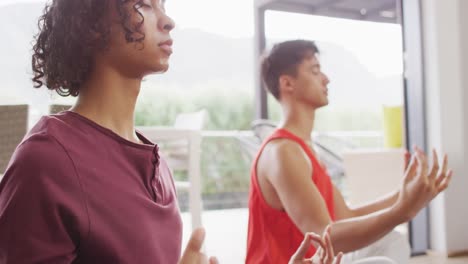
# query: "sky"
{"points": [[377, 45], [372, 43]]}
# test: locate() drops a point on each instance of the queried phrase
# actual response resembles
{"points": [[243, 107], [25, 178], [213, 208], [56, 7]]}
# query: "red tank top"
{"points": [[272, 235]]}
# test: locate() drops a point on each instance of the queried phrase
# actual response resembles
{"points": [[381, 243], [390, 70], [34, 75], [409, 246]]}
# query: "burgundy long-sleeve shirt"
{"points": [[75, 192]]}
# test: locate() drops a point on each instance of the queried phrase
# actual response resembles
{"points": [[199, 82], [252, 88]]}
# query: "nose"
{"points": [[166, 23], [326, 81]]}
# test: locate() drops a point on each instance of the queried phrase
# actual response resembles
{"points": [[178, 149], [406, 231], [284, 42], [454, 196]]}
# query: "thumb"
{"points": [[301, 252], [214, 260], [196, 240]]}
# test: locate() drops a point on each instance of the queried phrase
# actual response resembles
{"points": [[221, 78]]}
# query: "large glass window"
{"points": [[364, 62]]}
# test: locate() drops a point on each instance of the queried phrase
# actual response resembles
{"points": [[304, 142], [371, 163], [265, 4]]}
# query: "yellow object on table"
{"points": [[393, 126]]}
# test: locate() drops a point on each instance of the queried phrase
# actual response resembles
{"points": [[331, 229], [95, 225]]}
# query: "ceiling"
{"points": [[368, 10]]}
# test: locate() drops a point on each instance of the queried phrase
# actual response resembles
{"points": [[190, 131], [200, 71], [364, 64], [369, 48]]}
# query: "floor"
{"points": [[227, 234], [438, 260]]}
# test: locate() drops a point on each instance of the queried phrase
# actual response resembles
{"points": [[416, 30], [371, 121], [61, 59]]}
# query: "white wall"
{"points": [[445, 33]]}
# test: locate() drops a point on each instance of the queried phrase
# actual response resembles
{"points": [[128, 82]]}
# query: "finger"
{"points": [[328, 259], [422, 165], [338, 258], [325, 232], [407, 158], [317, 239], [304, 247], [443, 171], [412, 168], [424, 162], [323, 256], [194, 247], [321, 253], [326, 253], [329, 246], [416, 149], [196, 240], [445, 183], [214, 260], [202, 258], [435, 166], [445, 163], [440, 179]]}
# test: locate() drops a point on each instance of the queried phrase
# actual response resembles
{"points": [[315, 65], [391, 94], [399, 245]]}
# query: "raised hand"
{"points": [[324, 254], [192, 253], [421, 183]]}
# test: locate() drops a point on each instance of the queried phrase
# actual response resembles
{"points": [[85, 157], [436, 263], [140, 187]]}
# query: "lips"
{"points": [[166, 46]]}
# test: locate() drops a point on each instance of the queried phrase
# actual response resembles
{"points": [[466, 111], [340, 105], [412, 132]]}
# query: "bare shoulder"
{"points": [[281, 149], [284, 155], [277, 167]]}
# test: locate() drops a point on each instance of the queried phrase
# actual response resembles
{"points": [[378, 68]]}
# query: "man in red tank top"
{"points": [[291, 192]]}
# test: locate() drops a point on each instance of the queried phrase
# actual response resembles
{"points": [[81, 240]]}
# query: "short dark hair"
{"points": [[284, 58], [70, 32]]}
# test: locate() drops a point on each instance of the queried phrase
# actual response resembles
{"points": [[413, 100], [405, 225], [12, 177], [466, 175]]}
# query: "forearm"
{"points": [[375, 206], [355, 233]]}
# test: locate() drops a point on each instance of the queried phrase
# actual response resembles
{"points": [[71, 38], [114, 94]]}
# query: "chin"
{"points": [[161, 68], [323, 104], [164, 68], [156, 70], [164, 64]]}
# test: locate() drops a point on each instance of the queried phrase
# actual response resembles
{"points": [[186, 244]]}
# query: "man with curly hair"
{"points": [[84, 186]]}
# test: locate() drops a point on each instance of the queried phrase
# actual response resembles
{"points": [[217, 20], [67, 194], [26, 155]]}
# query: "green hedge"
{"points": [[224, 167]]}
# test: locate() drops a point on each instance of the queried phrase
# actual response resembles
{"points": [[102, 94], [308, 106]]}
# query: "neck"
{"points": [[299, 119], [109, 99]]}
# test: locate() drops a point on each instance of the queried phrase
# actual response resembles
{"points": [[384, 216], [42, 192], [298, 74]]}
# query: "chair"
{"points": [[249, 146], [326, 152], [13, 128], [263, 128], [181, 146]]}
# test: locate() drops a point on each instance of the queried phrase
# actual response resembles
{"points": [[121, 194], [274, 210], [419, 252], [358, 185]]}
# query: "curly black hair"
{"points": [[70, 32]]}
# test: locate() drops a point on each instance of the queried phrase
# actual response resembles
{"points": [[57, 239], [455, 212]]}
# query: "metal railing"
{"points": [[227, 157]]}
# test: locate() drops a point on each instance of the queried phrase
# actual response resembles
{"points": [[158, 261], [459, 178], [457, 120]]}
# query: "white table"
{"points": [[372, 173]]}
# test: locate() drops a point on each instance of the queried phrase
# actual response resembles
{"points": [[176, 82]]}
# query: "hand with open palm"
{"points": [[422, 183]]}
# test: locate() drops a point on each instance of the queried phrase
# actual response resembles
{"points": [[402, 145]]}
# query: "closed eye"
{"points": [[315, 69], [142, 4]]}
